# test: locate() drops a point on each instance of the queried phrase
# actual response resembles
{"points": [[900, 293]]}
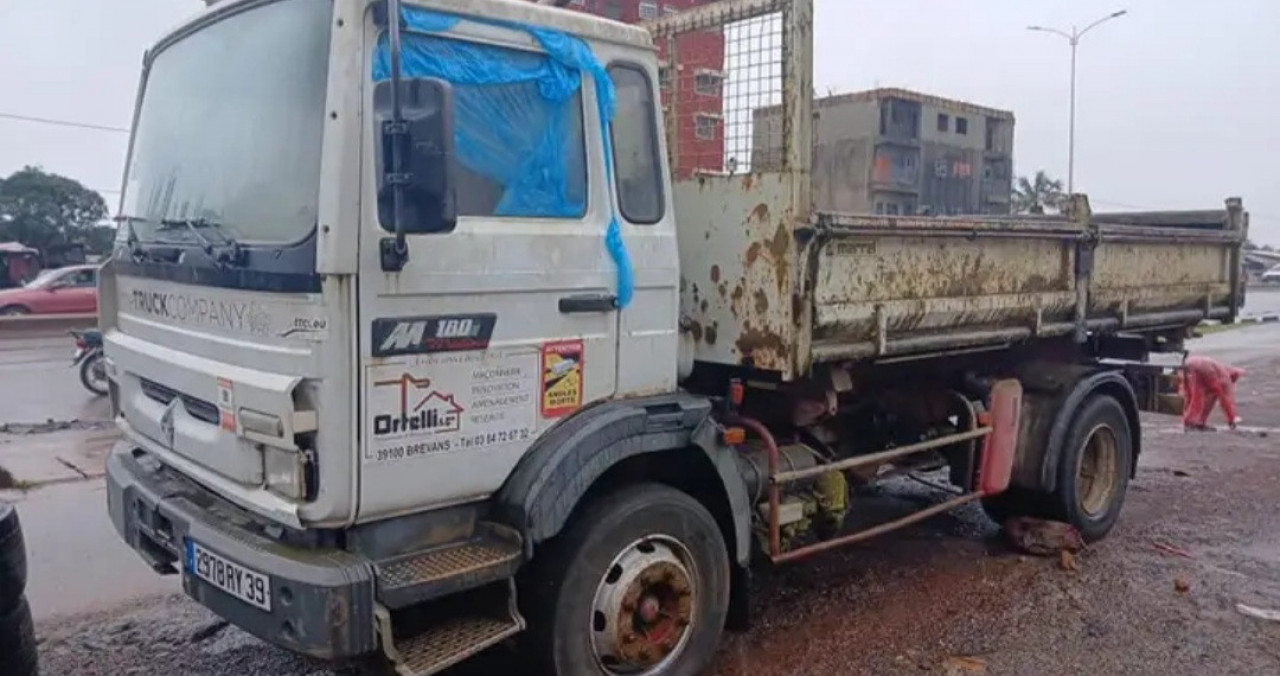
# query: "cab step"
{"points": [[428, 641], [493, 553]]}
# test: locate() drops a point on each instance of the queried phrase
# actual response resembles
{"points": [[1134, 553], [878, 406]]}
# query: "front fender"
{"points": [[563, 464]]}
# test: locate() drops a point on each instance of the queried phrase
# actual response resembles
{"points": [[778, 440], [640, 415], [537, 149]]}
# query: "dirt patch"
{"points": [[52, 425]]}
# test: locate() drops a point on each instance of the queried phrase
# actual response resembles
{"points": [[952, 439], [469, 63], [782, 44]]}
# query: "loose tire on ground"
{"points": [[13, 558], [615, 588], [1094, 468], [1013, 502], [18, 641]]}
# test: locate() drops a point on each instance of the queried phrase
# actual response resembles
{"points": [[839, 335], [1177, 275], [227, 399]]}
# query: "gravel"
{"points": [[944, 597]]}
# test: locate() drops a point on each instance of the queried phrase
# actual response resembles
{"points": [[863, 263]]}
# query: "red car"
{"points": [[69, 290]]}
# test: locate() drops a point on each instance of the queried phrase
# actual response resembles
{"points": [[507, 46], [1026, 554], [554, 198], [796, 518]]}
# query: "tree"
{"points": [[1034, 195], [46, 211]]}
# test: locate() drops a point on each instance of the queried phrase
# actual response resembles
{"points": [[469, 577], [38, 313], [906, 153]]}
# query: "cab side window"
{"points": [[636, 159]]}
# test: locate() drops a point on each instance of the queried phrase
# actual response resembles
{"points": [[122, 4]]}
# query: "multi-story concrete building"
{"points": [[692, 82], [893, 151]]}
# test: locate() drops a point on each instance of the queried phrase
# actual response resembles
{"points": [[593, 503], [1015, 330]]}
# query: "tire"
{"points": [[14, 311], [86, 374], [1094, 468], [13, 559], [18, 641], [616, 552]]}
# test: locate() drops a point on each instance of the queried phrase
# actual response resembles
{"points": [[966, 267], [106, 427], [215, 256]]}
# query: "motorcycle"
{"points": [[89, 357]]}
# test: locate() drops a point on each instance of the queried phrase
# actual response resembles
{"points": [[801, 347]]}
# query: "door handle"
{"points": [[589, 302]]}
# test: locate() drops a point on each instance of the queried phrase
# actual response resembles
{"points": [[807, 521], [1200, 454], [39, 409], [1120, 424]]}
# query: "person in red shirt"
{"points": [[1207, 382]]}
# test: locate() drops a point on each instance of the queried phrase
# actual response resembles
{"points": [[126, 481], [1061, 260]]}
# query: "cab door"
{"points": [[498, 328]]}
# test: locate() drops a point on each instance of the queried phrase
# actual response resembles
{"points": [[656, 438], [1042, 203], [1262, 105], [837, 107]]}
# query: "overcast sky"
{"points": [[1178, 102]]}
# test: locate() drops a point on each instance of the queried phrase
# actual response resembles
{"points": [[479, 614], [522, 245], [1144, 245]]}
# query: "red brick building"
{"points": [[696, 83]]}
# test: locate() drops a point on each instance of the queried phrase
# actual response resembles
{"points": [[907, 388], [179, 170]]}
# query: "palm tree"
{"points": [[1033, 196]]}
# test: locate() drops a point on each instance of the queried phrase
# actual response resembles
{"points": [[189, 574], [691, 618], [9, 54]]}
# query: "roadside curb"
{"points": [[1259, 319], [41, 326]]}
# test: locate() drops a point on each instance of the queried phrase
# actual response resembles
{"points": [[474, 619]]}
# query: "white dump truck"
{"points": [[503, 319]]}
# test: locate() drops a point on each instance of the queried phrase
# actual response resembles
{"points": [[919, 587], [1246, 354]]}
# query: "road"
{"points": [[1262, 301], [907, 602], [37, 383]]}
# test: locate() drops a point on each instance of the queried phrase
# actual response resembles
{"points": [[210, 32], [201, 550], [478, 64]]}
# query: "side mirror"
{"points": [[427, 169]]}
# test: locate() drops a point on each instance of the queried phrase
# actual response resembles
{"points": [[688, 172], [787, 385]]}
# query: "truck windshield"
{"points": [[229, 130]]}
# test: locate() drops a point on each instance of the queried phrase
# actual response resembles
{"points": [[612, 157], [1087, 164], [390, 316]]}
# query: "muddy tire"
{"points": [[18, 641], [13, 559], [1094, 468], [646, 572]]}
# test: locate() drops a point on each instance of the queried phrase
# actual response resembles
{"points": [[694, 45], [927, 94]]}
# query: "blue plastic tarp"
{"points": [[513, 116]]}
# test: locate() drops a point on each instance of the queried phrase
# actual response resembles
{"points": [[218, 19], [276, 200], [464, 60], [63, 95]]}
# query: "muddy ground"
{"points": [[944, 597]]}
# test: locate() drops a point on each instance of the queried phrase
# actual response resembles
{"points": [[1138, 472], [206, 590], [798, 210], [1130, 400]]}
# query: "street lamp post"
{"points": [[1073, 38]]}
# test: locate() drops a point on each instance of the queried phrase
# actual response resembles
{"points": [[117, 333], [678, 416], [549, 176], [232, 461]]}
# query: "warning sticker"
{"points": [[458, 401], [226, 405], [561, 378]]}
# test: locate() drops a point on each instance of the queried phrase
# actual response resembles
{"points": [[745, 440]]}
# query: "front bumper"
{"points": [[322, 600]]}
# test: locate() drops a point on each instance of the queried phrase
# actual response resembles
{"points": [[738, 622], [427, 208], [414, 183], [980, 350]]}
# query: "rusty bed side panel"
{"points": [[922, 282], [1132, 278], [737, 259]]}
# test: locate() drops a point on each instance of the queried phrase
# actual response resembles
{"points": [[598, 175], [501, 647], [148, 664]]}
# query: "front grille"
{"points": [[197, 408]]}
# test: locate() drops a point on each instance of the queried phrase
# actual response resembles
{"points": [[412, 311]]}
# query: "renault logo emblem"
{"points": [[166, 421]]}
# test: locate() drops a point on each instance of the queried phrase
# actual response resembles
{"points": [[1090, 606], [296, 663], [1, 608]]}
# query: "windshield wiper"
{"points": [[228, 253], [131, 241]]}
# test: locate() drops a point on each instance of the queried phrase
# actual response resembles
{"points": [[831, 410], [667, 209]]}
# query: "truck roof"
{"points": [[581, 24]]}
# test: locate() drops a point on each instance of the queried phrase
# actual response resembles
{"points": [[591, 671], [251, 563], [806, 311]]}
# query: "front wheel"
{"points": [[638, 583], [1094, 469], [93, 374]]}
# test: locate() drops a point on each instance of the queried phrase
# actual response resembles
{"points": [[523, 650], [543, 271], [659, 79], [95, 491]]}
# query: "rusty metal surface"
{"points": [[737, 259]]}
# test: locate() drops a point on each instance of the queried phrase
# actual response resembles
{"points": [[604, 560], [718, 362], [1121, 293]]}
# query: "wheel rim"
{"points": [[1097, 475], [643, 612]]}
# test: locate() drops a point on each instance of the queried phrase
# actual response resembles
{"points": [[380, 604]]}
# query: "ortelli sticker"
{"points": [[561, 378]]}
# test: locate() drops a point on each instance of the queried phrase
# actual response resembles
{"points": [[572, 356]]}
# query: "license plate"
{"points": [[247, 585], [76, 357]]}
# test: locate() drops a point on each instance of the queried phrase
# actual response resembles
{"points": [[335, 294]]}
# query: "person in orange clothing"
{"points": [[1207, 382]]}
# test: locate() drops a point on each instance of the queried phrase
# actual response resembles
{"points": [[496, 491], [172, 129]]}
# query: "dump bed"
{"points": [[773, 282]]}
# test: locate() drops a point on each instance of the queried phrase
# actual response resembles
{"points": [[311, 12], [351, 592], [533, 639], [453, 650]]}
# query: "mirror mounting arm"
{"points": [[394, 254]]}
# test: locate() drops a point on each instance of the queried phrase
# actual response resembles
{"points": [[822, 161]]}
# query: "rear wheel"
{"points": [[1094, 468], [93, 374], [13, 311], [637, 584]]}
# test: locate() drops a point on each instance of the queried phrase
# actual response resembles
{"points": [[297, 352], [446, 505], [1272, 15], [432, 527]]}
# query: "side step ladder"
{"points": [[440, 606], [493, 553], [429, 644]]}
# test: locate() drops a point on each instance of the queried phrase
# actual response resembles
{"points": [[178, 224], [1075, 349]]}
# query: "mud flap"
{"points": [[1000, 447]]}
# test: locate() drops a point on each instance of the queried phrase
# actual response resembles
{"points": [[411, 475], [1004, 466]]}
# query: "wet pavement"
{"points": [[943, 597], [38, 383], [1262, 300]]}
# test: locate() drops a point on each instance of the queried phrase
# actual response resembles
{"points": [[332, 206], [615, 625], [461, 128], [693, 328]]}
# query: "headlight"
{"points": [[285, 472]]}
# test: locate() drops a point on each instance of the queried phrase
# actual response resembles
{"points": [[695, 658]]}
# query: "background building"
{"points": [[692, 82], [893, 151]]}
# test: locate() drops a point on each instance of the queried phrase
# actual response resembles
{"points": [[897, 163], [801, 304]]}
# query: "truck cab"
{"points": [[277, 385]]}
